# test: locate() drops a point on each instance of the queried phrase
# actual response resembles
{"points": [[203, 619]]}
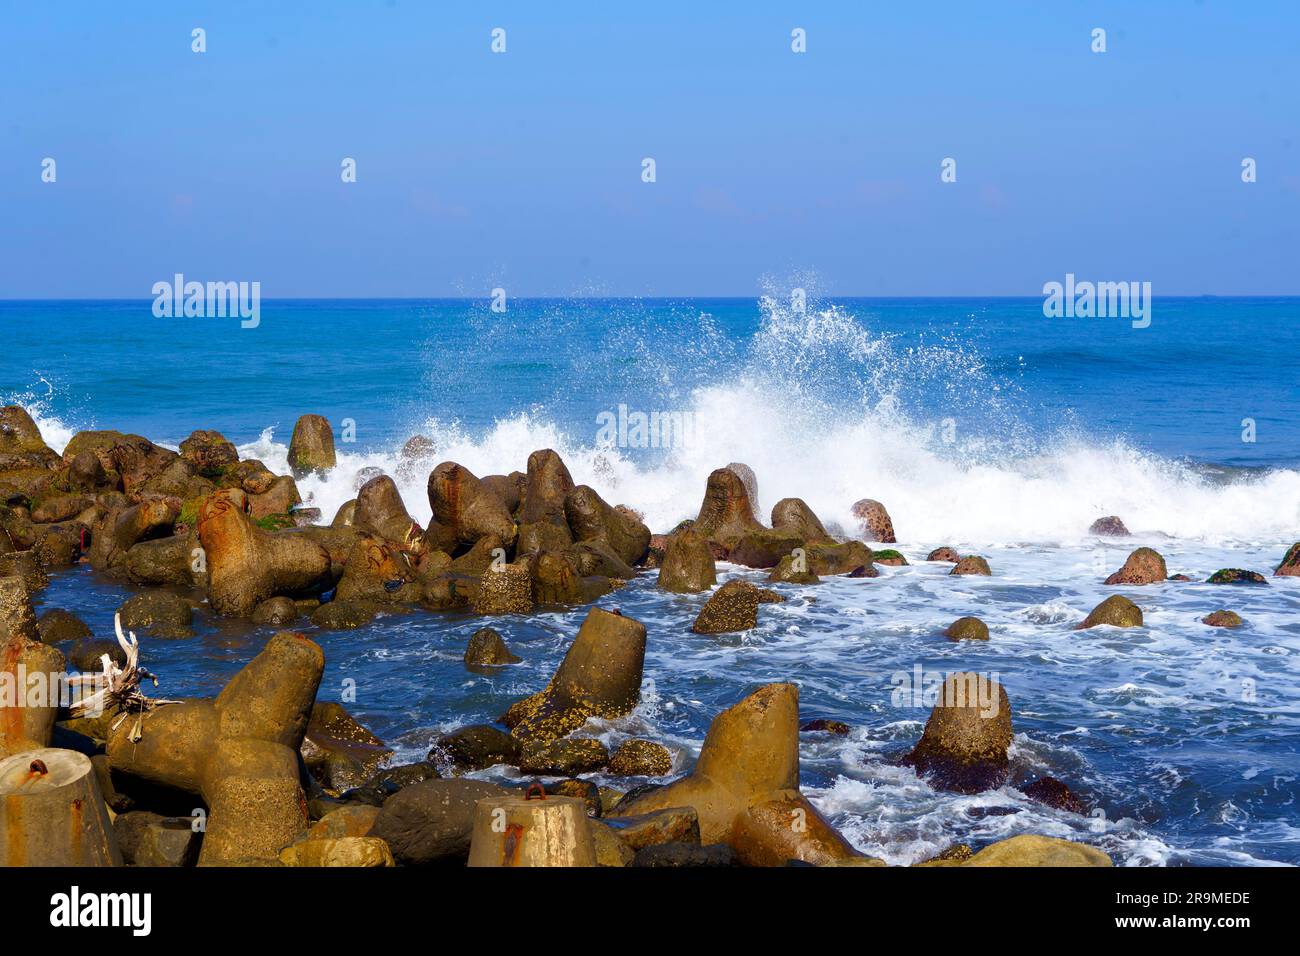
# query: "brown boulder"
{"points": [[745, 786], [464, 511], [726, 514], [379, 573], [1110, 527], [1116, 610], [687, 566], [967, 629], [209, 452], [874, 521], [964, 745], [159, 614], [247, 565], [792, 515], [1290, 565], [600, 676], [338, 750], [509, 488], [486, 648], [56, 626], [641, 758], [1222, 619], [546, 485], [311, 449], [591, 519], [972, 564], [733, 607], [1143, 566], [944, 554]]}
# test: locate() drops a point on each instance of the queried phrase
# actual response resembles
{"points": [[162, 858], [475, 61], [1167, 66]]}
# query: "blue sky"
{"points": [[523, 170]]}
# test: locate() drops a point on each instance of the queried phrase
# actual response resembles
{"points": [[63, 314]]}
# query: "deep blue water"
{"points": [[1179, 388]]}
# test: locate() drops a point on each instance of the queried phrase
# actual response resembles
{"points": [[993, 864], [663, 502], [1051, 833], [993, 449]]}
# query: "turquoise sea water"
{"points": [[980, 423]]}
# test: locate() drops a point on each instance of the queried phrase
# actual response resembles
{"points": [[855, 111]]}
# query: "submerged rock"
{"points": [[890, 558], [1033, 850], [1054, 793], [825, 725], [276, 611], [733, 607], [793, 569], [972, 564], [949, 555], [566, 757], [56, 626], [967, 629], [1116, 610], [1222, 618], [344, 615], [1236, 576], [158, 614], [838, 558], [486, 648], [475, 747], [338, 750]]}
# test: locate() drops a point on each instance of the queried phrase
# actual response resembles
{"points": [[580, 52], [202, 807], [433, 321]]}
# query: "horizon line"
{"points": [[643, 298]]}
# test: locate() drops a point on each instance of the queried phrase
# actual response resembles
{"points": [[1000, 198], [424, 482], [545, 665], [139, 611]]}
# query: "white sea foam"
{"points": [[1050, 498]]}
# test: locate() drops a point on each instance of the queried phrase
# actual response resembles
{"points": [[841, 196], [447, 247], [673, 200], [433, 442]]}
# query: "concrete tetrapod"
{"points": [[29, 672], [600, 676], [745, 786], [52, 812], [239, 751]]}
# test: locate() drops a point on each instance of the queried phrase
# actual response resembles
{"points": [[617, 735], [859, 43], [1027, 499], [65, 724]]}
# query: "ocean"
{"points": [[980, 423]]}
